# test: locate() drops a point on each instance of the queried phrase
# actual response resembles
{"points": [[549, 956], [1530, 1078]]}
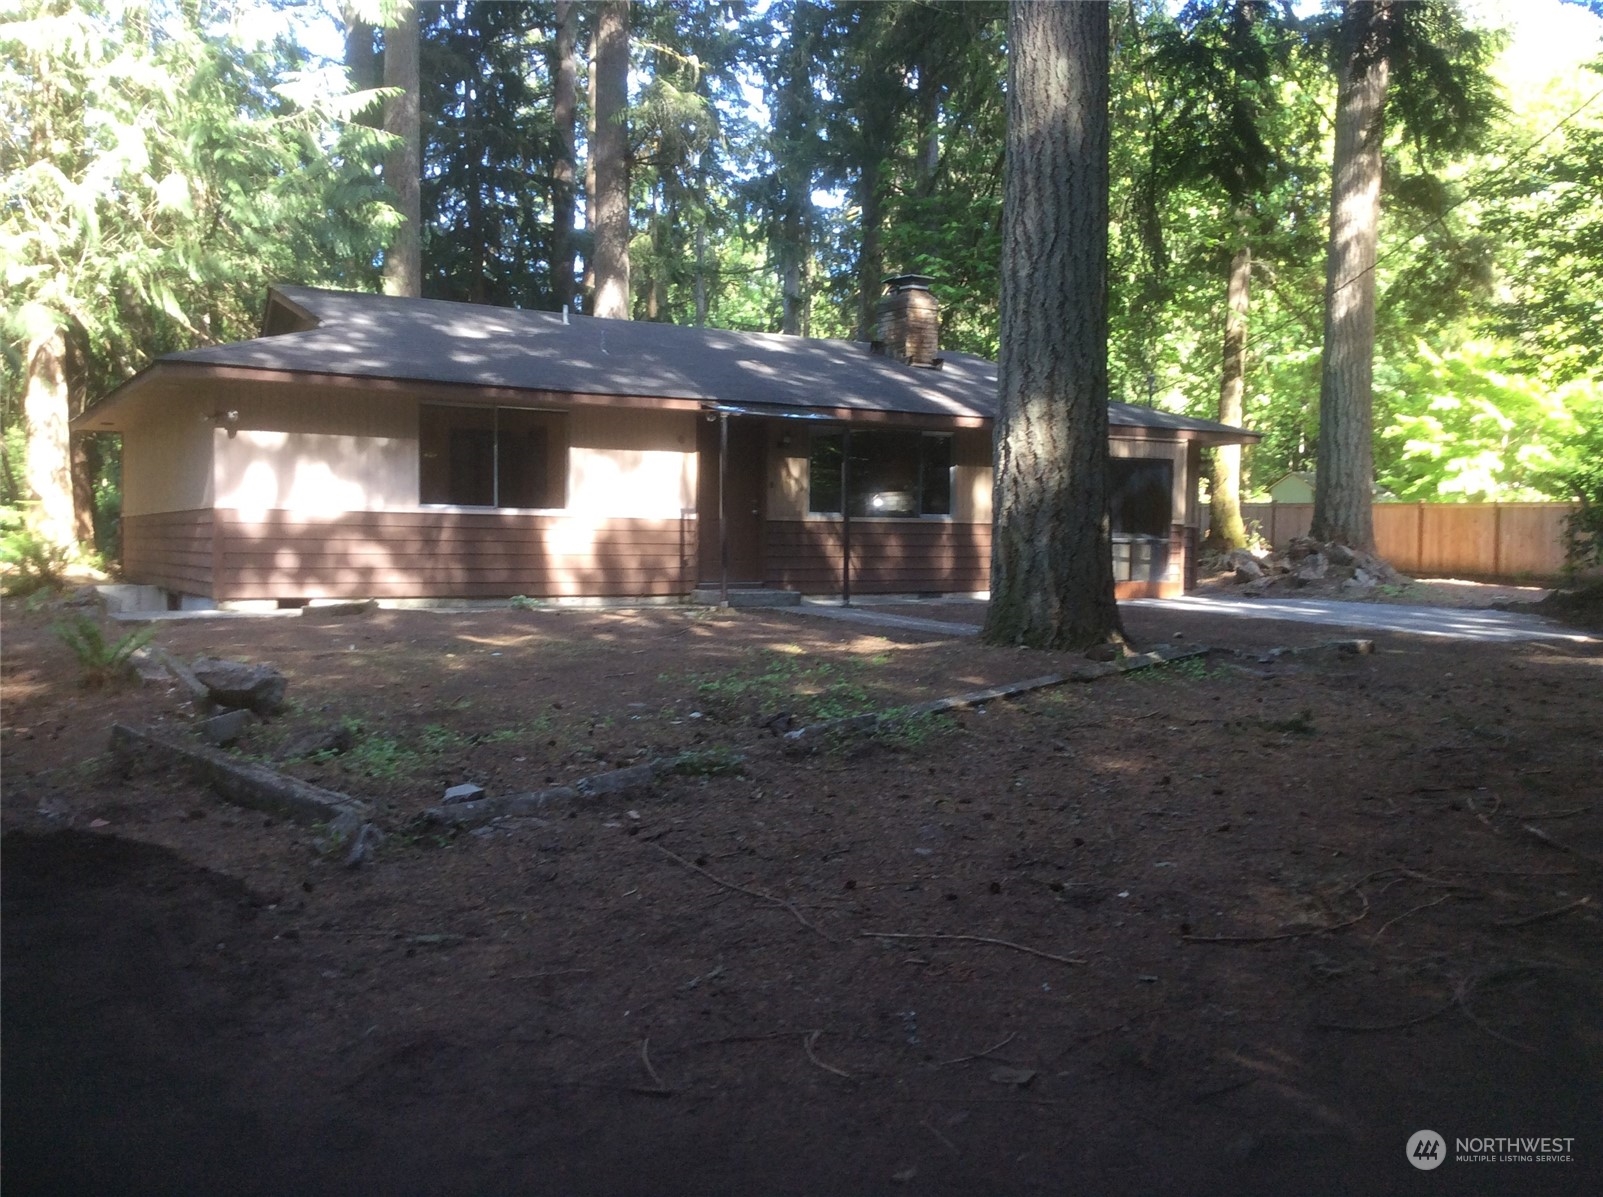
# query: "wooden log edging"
{"points": [[803, 739], [640, 778], [613, 783], [256, 787]]}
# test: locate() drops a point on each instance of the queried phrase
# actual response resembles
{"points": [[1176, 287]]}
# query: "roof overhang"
{"points": [[119, 409]]}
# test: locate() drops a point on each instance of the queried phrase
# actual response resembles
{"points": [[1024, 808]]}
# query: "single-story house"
{"points": [[1297, 486], [371, 446]]}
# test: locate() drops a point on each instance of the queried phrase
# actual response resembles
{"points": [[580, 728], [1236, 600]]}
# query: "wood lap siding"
{"points": [[171, 549], [380, 554], [933, 557], [887, 558], [233, 556]]}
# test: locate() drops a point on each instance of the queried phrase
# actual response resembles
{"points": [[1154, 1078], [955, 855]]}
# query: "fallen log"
{"points": [[802, 738], [253, 786]]}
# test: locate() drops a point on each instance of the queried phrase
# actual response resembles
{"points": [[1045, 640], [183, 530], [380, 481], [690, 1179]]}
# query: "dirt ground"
{"points": [[1229, 926]]}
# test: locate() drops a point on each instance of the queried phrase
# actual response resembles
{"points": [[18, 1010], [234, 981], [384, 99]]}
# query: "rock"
{"points": [[335, 609], [1247, 567], [150, 669], [337, 738], [225, 729], [1353, 648], [234, 685], [1302, 546], [1339, 554], [1312, 567], [364, 844], [1361, 580], [466, 792]]}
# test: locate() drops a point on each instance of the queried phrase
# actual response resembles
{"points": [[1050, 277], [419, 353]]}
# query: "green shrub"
{"points": [[102, 662], [35, 563], [1583, 527]]}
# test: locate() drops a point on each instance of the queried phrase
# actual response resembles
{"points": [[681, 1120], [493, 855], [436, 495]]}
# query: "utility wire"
{"points": [[1440, 217]]}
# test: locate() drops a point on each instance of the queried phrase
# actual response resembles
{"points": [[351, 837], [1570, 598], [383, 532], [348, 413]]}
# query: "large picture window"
{"points": [[492, 456], [893, 473]]}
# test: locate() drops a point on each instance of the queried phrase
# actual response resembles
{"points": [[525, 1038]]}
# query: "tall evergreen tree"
{"points": [[564, 179], [489, 139], [1441, 94], [1051, 555], [610, 153], [403, 165]]}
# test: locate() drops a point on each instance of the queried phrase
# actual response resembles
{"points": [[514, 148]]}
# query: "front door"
{"points": [[742, 499]]}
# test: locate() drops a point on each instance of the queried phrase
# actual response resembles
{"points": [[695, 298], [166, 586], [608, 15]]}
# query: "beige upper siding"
{"points": [[167, 463], [314, 449]]}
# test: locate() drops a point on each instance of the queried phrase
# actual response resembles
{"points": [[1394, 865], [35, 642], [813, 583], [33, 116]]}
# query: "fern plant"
{"points": [[32, 562], [101, 661]]}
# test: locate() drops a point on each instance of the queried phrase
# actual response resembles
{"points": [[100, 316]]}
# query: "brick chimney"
{"points": [[910, 321]]}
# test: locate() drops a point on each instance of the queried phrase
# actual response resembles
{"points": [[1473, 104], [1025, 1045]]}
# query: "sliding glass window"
{"points": [[492, 456]]}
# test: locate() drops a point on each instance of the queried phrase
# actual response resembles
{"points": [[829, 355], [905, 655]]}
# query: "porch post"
{"points": [[723, 524], [846, 517]]}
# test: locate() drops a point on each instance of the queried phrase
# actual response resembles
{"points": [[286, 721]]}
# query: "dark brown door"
{"points": [[742, 500]]}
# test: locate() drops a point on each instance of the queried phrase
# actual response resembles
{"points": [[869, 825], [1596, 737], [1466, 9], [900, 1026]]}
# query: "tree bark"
{"points": [[612, 161], [701, 295], [403, 166], [870, 255], [361, 57], [1051, 556], [589, 280], [86, 463], [1345, 475], [792, 116], [565, 113], [46, 412], [1225, 529]]}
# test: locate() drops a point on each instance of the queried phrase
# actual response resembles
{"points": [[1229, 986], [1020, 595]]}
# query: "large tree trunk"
{"points": [[701, 290], [870, 255], [403, 166], [588, 282], [361, 58], [612, 160], [46, 412], [1346, 470], [1225, 529], [792, 114], [565, 112], [86, 463], [1051, 555]]}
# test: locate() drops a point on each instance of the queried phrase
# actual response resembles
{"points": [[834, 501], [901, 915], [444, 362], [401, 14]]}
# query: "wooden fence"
{"points": [[1512, 541]]}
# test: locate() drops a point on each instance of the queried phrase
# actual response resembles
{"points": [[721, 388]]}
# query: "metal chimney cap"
{"points": [[909, 282]]}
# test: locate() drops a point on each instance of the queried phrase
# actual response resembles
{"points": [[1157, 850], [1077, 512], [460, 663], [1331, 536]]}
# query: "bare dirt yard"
{"points": [[1240, 924]]}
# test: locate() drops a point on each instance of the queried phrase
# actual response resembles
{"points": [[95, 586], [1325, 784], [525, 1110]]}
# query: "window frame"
{"points": [[838, 432], [495, 410]]}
